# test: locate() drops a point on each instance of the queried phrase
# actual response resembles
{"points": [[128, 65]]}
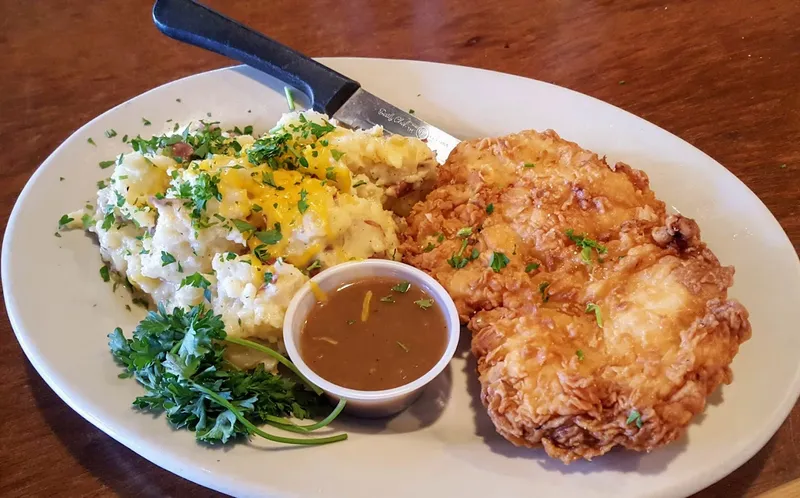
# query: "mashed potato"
{"points": [[204, 216]]}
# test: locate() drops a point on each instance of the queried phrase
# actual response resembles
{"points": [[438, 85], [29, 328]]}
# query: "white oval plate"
{"points": [[445, 444]]}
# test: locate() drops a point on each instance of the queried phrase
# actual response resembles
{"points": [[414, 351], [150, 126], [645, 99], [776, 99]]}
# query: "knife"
{"points": [[329, 92]]}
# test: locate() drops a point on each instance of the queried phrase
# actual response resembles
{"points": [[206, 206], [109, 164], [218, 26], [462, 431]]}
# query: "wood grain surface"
{"points": [[723, 75]]}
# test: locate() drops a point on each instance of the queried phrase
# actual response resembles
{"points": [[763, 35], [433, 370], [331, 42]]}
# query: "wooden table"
{"points": [[721, 74]]}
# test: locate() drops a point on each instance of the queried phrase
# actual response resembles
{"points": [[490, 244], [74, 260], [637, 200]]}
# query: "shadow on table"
{"points": [[120, 469]]}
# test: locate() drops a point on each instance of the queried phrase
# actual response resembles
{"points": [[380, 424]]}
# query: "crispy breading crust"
{"points": [[552, 374]]}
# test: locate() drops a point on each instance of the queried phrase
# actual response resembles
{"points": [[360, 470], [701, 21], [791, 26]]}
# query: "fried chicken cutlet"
{"points": [[597, 319]]}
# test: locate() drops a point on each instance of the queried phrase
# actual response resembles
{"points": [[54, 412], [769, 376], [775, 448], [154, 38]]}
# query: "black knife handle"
{"points": [[195, 24]]}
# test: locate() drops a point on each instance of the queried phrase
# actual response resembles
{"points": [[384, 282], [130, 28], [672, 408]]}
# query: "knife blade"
{"points": [[364, 110], [330, 92]]}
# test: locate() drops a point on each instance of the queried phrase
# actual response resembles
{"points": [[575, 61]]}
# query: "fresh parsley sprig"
{"points": [[178, 358]]}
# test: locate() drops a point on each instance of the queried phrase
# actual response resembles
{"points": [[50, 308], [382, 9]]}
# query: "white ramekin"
{"points": [[369, 403]]}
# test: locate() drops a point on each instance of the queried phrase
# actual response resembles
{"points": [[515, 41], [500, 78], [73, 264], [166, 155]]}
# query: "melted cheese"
{"points": [[318, 292], [299, 202]]}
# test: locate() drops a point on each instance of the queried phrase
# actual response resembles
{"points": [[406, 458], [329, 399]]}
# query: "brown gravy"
{"points": [[404, 335]]}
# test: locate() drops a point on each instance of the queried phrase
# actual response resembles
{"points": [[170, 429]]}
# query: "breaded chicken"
{"points": [[598, 320]]}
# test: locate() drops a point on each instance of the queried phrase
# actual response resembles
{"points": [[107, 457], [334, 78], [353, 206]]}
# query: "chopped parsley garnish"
{"points": [[430, 247], [268, 277], [229, 256], [101, 185], [490, 209], [302, 204], [146, 122], [593, 308], [104, 274], [277, 149], [359, 183], [330, 173], [179, 358], [91, 141], [124, 138], [402, 287], [311, 128], [543, 290], [579, 354], [289, 98], [108, 220], [270, 237], [531, 266], [268, 179], [87, 221], [207, 141], [586, 245], [204, 189], [464, 232], [167, 258], [313, 266], [529, 165], [498, 261], [256, 208], [439, 237], [199, 281], [106, 164], [111, 133], [387, 299], [636, 417], [268, 149], [248, 130], [336, 154], [424, 303], [243, 226], [64, 220], [262, 253], [458, 260], [403, 346]]}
